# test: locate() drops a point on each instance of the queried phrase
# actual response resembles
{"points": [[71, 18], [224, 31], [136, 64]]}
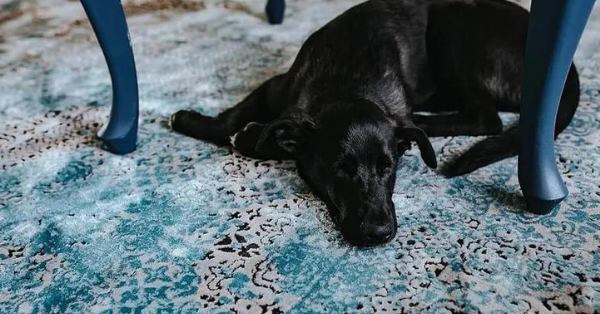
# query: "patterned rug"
{"points": [[180, 226]]}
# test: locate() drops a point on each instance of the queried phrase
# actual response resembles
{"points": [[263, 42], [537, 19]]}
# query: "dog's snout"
{"points": [[377, 233]]}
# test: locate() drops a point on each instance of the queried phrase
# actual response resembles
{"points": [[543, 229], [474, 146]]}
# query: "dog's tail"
{"points": [[502, 146]]}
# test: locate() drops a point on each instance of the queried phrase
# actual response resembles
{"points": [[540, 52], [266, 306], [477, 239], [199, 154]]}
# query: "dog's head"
{"points": [[349, 159]]}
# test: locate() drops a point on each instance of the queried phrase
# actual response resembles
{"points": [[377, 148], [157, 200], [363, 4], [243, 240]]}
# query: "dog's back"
{"points": [[374, 50]]}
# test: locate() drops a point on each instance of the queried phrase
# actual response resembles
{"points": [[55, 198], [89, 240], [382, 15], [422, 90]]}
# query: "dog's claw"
{"points": [[172, 120]]}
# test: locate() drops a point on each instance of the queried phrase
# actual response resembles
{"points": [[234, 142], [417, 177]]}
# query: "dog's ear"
{"points": [[413, 133], [290, 134]]}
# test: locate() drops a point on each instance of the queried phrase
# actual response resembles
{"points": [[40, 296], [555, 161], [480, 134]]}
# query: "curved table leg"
{"points": [[275, 11], [119, 135], [554, 32]]}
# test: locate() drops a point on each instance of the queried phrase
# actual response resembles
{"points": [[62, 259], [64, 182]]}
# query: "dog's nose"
{"points": [[377, 233]]}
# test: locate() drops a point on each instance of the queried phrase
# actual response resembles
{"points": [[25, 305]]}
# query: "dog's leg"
{"points": [[459, 124], [254, 108], [476, 117]]}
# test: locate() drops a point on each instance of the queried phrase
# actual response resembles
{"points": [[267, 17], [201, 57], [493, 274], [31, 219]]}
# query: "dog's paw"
{"points": [[188, 119], [177, 117], [245, 140]]}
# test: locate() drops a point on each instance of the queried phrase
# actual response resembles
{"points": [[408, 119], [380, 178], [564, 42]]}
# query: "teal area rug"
{"points": [[180, 226]]}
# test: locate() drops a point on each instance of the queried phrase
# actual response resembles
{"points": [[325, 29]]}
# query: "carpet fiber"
{"points": [[181, 226]]}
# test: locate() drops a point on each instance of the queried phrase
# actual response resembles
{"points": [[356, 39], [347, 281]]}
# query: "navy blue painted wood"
{"points": [[554, 32], [119, 135], [275, 11]]}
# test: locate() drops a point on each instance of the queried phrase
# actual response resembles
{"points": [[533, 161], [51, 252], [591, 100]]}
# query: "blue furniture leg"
{"points": [[119, 135], [554, 32], [275, 11]]}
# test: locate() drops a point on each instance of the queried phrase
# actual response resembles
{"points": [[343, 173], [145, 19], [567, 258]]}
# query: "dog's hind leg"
{"points": [[461, 123], [476, 117], [218, 130]]}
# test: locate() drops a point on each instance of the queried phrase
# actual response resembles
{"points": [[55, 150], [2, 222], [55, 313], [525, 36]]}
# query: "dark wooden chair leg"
{"points": [[555, 29], [119, 135]]}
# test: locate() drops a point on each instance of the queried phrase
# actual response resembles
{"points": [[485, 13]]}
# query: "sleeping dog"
{"points": [[349, 106]]}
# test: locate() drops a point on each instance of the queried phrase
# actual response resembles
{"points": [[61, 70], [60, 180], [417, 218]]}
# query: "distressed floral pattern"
{"points": [[180, 226]]}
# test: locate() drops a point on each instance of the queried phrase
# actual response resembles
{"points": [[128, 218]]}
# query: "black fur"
{"points": [[348, 107]]}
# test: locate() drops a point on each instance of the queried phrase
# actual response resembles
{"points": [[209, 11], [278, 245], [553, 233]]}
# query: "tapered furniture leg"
{"points": [[554, 32], [275, 11], [119, 135]]}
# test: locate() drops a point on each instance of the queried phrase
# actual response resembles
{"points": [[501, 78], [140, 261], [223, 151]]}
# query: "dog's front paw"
{"points": [[189, 120], [177, 117], [199, 126], [245, 140]]}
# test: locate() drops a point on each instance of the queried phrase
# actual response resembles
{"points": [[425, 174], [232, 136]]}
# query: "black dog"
{"points": [[345, 110]]}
